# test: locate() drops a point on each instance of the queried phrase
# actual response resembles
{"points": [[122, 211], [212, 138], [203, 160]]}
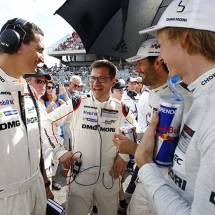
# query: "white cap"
{"points": [[195, 14], [148, 48], [131, 79]]}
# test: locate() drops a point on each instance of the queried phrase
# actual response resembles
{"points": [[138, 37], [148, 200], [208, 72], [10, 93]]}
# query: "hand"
{"points": [[54, 96], [53, 104], [118, 167], [144, 152], [49, 194], [62, 89], [124, 144], [67, 158]]}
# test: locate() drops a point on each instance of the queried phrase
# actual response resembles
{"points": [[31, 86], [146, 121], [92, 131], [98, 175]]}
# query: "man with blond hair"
{"points": [[185, 33]]}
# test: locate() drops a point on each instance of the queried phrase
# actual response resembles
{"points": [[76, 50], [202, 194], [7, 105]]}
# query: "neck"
{"points": [[11, 66], [196, 66]]}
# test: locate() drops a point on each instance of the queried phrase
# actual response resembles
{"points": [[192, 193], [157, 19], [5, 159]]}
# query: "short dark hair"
{"points": [[30, 29], [152, 59], [106, 64]]}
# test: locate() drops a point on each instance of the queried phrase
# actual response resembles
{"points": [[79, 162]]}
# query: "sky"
{"points": [[41, 13]]}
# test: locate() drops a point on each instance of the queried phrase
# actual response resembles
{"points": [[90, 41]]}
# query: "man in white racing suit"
{"points": [[94, 120], [187, 50], [154, 73], [22, 189]]}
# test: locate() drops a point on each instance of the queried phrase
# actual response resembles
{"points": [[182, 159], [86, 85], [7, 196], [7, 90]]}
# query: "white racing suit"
{"points": [[190, 186], [93, 126], [140, 203], [22, 188]]}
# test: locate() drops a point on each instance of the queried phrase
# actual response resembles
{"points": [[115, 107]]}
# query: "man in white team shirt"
{"points": [[38, 82], [154, 73], [185, 31]]}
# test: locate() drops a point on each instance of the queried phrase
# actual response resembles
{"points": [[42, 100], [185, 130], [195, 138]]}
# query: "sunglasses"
{"points": [[75, 85], [49, 87], [38, 81], [139, 83]]}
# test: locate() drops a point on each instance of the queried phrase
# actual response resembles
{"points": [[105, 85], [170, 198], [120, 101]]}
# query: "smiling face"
{"points": [[147, 72], [31, 54], [39, 84], [173, 54], [101, 91]]}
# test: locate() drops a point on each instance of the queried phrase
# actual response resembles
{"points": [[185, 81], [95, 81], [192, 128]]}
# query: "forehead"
{"points": [[100, 71], [38, 42], [76, 81], [143, 60]]}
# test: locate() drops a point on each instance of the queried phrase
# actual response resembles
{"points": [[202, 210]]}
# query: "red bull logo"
{"points": [[165, 137], [168, 129]]}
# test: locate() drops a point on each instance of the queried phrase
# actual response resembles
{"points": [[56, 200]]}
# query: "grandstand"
{"points": [[75, 61]]}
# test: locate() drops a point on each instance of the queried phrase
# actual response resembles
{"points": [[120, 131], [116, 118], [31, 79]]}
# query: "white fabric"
{"points": [[148, 48], [196, 14], [93, 131], [140, 194], [20, 150], [190, 185], [130, 102], [142, 108]]}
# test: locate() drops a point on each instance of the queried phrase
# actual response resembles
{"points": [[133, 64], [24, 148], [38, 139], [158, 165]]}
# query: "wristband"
{"points": [[47, 184]]}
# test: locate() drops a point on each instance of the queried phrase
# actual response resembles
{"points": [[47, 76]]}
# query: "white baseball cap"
{"points": [[195, 14], [148, 48], [131, 79]]}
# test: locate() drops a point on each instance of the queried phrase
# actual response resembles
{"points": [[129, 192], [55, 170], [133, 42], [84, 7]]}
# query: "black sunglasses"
{"points": [[49, 87], [38, 81], [75, 85]]}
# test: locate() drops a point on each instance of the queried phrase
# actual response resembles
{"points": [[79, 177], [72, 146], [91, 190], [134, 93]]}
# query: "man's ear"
{"points": [[158, 62], [114, 81]]}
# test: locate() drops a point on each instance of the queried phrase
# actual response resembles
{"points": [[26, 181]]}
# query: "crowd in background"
{"points": [[61, 73], [72, 43]]}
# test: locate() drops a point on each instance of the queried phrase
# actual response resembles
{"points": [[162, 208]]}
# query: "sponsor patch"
{"points": [[91, 113], [109, 113], [10, 112], [31, 109], [5, 93], [6, 102], [90, 107], [109, 122], [90, 119]]}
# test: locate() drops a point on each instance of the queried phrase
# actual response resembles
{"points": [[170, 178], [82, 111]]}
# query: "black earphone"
{"points": [[131, 94], [10, 39]]}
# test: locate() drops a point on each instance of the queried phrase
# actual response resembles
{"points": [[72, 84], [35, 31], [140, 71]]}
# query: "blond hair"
{"points": [[199, 40]]}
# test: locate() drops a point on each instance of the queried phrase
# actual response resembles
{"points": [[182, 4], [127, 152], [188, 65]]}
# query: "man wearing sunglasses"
{"points": [[94, 120], [38, 82], [75, 81]]}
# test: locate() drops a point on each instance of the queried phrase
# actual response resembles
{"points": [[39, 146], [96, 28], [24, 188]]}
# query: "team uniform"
{"points": [[132, 103], [139, 203], [93, 125], [22, 189], [142, 108]]}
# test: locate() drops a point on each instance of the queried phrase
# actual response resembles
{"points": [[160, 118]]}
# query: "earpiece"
{"points": [[10, 39]]}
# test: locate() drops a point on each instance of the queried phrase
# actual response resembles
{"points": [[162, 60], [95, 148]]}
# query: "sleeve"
{"points": [[164, 197], [167, 200], [53, 120]]}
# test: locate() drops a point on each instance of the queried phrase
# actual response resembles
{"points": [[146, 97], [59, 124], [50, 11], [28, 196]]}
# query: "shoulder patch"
{"points": [[76, 101], [125, 109]]}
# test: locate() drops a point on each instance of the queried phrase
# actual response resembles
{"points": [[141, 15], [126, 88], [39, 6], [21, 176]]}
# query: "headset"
{"points": [[10, 39]]}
